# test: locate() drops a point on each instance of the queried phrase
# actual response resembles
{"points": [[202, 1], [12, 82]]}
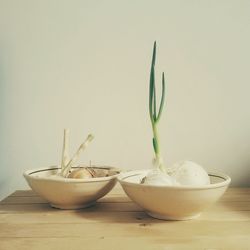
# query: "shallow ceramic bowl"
{"points": [[173, 202], [68, 193]]}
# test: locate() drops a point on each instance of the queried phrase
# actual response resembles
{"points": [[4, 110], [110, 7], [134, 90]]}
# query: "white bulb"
{"points": [[189, 173], [158, 178]]}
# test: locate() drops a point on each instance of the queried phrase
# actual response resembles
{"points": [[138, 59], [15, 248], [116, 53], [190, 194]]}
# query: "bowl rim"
{"points": [[28, 175], [122, 176]]}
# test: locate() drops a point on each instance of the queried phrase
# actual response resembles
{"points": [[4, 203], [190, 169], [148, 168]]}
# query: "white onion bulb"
{"points": [[158, 178], [189, 173]]}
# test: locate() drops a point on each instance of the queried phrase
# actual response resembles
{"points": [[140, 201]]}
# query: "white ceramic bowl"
{"points": [[173, 202], [68, 193]]}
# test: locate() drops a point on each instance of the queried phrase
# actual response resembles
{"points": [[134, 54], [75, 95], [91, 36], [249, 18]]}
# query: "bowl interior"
{"points": [[135, 177], [52, 172], [44, 172]]}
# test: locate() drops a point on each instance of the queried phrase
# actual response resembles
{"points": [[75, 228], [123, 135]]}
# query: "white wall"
{"points": [[85, 65]]}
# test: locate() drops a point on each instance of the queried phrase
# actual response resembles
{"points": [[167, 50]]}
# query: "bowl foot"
{"points": [[167, 217], [78, 206]]}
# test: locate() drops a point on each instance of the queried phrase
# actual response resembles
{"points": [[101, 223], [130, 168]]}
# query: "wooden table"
{"points": [[28, 222]]}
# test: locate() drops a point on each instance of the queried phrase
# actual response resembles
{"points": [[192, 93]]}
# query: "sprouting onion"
{"points": [[155, 114]]}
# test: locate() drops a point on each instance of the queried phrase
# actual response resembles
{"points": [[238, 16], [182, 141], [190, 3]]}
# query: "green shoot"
{"points": [[154, 114]]}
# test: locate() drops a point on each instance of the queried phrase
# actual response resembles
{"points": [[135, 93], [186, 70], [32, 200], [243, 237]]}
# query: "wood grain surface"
{"points": [[27, 222]]}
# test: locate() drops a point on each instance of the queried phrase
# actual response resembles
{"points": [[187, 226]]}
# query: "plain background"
{"points": [[84, 65]]}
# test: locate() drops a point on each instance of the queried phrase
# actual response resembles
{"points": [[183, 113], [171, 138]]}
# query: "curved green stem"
{"points": [[154, 115]]}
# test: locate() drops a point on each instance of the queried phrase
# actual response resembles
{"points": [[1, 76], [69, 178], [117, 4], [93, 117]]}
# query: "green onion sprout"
{"points": [[155, 114]]}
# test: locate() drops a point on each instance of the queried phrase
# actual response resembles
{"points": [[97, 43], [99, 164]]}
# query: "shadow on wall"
{"points": [[4, 136], [245, 178], [3, 185]]}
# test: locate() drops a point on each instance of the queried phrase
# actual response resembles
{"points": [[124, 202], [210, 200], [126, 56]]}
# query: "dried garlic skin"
{"points": [[92, 172], [80, 173], [102, 172]]}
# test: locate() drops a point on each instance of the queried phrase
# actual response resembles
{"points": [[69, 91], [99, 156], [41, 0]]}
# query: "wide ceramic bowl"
{"points": [[69, 193], [173, 202]]}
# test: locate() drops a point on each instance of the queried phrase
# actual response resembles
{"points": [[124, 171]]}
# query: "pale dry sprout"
{"points": [[67, 164], [65, 151]]}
